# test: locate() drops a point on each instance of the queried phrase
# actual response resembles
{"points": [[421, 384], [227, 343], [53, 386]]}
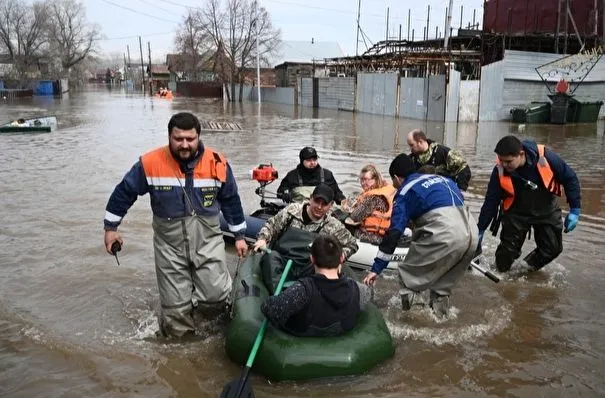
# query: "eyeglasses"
{"points": [[362, 179]]}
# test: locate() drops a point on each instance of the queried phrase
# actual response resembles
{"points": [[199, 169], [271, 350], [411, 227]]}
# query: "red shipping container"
{"points": [[527, 17]]}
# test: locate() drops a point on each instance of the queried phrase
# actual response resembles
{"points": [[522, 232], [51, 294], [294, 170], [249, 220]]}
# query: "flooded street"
{"points": [[74, 324]]}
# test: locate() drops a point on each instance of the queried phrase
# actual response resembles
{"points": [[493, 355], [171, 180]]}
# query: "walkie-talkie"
{"points": [[115, 248]]}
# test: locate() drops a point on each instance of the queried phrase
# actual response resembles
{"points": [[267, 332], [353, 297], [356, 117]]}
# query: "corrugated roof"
{"points": [[305, 51]]}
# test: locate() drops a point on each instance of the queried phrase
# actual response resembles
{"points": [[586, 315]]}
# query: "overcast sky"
{"points": [[324, 20]]}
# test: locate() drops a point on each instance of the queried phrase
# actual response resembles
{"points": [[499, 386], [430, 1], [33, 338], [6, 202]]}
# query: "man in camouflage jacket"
{"points": [[311, 216], [447, 162]]}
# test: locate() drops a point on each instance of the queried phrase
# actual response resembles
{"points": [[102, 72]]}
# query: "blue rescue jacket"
{"points": [[419, 194]]}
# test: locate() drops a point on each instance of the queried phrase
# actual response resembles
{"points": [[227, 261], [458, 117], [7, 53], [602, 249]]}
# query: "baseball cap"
{"points": [[324, 192], [307, 153]]}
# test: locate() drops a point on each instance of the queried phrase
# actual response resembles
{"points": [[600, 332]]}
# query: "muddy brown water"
{"points": [[73, 323]]}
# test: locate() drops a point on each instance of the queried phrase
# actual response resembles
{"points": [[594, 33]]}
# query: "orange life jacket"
{"points": [[546, 174], [161, 169], [378, 222]]}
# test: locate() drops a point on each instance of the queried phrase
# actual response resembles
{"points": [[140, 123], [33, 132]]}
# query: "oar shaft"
{"points": [[263, 328], [485, 272]]}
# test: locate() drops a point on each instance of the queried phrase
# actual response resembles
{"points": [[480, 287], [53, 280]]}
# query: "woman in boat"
{"points": [[371, 212], [323, 304]]}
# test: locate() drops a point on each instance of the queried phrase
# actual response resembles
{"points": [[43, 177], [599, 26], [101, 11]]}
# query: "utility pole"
{"points": [[358, 27], [603, 25], [409, 18], [387, 34], [130, 75], [448, 23], [142, 66], [461, 14], [150, 69], [257, 57], [125, 68], [428, 16], [557, 30], [566, 27]]}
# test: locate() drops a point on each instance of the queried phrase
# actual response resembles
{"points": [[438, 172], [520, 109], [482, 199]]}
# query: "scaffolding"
{"points": [[416, 58]]}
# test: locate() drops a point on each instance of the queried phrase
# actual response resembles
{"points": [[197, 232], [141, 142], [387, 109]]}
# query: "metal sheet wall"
{"points": [[337, 93], [453, 97], [306, 91], [412, 102], [436, 98], [490, 95], [514, 81], [469, 101], [277, 95], [377, 93]]}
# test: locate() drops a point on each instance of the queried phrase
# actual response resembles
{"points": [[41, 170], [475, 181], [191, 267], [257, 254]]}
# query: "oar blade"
{"points": [[231, 390]]}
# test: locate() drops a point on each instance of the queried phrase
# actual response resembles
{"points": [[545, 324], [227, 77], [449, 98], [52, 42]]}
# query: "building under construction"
{"points": [[547, 26]]}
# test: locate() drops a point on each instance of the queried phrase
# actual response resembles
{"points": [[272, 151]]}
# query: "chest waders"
{"points": [[293, 244], [303, 192]]}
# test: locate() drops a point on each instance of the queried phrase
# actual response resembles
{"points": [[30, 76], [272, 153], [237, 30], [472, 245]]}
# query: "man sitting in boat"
{"points": [[323, 304], [299, 183], [444, 240], [371, 212], [292, 231]]}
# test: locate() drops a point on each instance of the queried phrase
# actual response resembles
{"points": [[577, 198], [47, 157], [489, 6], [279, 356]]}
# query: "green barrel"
{"points": [[286, 357]]}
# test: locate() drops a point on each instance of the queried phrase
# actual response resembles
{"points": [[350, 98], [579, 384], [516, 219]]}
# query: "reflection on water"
{"points": [[73, 323]]}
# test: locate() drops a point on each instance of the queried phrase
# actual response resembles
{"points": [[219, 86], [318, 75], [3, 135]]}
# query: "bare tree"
{"points": [[191, 41], [21, 28], [70, 36], [234, 32]]}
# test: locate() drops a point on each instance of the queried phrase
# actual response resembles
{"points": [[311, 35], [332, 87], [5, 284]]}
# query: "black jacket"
{"points": [[331, 310], [310, 178]]}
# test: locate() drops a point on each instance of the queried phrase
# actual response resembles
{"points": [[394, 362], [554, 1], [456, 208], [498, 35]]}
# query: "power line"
{"points": [[160, 8], [136, 36], [139, 12]]}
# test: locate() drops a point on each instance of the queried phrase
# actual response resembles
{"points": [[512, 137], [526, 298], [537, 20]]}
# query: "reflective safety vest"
{"points": [[165, 179], [378, 222], [546, 175]]}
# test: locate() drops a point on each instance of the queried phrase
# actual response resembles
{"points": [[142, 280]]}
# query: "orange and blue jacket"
{"points": [[550, 172], [204, 186]]}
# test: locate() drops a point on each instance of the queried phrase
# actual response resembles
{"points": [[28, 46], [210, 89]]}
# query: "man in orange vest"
{"points": [[525, 183], [189, 184]]}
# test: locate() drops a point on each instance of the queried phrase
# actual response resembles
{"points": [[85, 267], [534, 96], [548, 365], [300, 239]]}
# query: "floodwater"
{"points": [[73, 323]]}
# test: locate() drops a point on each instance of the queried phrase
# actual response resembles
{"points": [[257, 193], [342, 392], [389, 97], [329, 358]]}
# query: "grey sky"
{"points": [[323, 20]]}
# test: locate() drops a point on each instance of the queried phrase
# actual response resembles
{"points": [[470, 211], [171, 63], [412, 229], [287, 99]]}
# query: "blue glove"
{"points": [[572, 219], [479, 249]]}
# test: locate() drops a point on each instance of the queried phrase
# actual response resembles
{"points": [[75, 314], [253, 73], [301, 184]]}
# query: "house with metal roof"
{"points": [[294, 59]]}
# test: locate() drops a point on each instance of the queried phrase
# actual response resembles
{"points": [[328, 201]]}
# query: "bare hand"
{"points": [[260, 244], [241, 247], [370, 278], [110, 238]]}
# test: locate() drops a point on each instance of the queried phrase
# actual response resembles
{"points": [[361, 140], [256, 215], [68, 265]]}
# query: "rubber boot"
{"points": [[406, 301], [440, 305]]}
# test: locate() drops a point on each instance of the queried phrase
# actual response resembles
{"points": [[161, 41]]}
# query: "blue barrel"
{"points": [[45, 87]]}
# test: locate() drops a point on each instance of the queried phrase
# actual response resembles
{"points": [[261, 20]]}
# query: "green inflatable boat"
{"points": [[285, 357]]}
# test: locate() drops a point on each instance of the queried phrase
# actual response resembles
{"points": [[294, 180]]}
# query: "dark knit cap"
{"points": [[402, 166], [307, 153]]}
